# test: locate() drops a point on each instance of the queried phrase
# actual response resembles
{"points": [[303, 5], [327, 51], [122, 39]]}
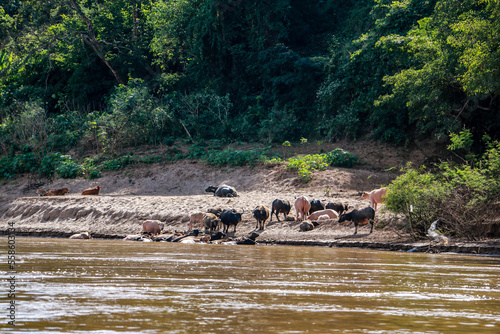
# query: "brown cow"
{"points": [[92, 191], [211, 222], [152, 227], [375, 196], [54, 192], [329, 212], [302, 207], [261, 213], [196, 218]]}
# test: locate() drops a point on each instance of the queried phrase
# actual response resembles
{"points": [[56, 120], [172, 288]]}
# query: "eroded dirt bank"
{"points": [[171, 192]]}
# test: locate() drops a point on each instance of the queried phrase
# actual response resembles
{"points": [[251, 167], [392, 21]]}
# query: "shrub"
{"points": [[68, 169], [340, 158], [306, 164], [417, 194], [236, 158], [462, 197]]}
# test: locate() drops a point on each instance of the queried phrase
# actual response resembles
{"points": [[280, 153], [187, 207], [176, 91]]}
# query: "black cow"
{"points": [[359, 216], [339, 207], [230, 217], [222, 191], [316, 205], [280, 206], [261, 213]]}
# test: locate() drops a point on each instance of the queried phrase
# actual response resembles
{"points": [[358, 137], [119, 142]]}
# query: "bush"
{"points": [[236, 158], [462, 197], [417, 194], [68, 169], [340, 158], [134, 118], [306, 164]]}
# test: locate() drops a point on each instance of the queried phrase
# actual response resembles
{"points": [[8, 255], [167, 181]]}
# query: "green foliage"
{"points": [[67, 168], [462, 197], [307, 164], [417, 194], [103, 76], [232, 157], [135, 117], [340, 158]]}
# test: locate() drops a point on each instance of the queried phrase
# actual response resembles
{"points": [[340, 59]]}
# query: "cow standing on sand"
{"points": [[230, 217], [194, 219], [280, 206], [375, 196], [211, 222], [261, 213], [363, 216], [152, 227], [302, 207]]}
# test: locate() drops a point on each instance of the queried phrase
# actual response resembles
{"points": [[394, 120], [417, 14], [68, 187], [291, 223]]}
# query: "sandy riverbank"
{"points": [[172, 192]]}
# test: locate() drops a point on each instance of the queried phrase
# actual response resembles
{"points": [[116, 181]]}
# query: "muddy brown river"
{"points": [[112, 286]]}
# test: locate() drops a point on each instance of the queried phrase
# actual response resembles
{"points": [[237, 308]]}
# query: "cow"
{"points": [[92, 191], [329, 212], [195, 218], [340, 208], [211, 222], [152, 227], [222, 191], [261, 213], [302, 207], [230, 217], [54, 192], [84, 235], [306, 225], [280, 206], [375, 196], [316, 205], [323, 217], [366, 215], [216, 211]]}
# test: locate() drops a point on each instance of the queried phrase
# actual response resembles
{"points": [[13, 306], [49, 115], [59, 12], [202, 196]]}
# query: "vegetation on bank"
{"points": [[463, 196]]}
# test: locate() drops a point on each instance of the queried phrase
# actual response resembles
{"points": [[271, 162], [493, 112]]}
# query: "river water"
{"points": [[111, 286]]}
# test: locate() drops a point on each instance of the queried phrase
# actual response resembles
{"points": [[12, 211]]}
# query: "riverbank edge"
{"points": [[491, 248]]}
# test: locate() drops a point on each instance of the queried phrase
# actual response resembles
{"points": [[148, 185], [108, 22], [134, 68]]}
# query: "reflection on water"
{"points": [[103, 286]]}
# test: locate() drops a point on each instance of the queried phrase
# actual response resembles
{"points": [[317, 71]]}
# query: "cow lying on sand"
{"points": [[53, 192]]}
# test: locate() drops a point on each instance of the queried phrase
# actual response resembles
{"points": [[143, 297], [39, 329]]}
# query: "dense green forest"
{"points": [[109, 74]]}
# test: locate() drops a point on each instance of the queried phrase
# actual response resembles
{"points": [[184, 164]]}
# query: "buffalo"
{"points": [[222, 191], [280, 206], [339, 207], [230, 217], [316, 205], [359, 216], [261, 213], [210, 222]]}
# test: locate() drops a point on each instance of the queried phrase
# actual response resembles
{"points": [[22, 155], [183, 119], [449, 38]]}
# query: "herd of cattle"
{"points": [[309, 212]]}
